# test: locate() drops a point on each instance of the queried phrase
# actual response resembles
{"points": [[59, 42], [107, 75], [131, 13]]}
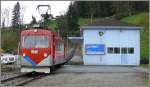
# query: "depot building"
{"points": [[111, 42]]}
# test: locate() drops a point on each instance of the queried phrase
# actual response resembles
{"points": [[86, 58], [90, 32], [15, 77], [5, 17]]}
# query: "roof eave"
{"points": [[115, 27]]}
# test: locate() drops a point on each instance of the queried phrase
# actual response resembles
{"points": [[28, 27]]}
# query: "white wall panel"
{"points": [[112, 38]]}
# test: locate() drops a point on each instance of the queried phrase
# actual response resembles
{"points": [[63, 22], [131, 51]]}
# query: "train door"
{"points": [[124, 56], [53, 48], [59, 53], [56, 51], [62, 52]]}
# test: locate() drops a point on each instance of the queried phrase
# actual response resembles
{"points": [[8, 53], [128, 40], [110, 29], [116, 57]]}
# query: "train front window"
{"points": [[35, 42]]}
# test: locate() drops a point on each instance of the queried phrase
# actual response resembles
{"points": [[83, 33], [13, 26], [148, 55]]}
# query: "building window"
{"points": [[117, 50], [130, 50], [124, 50], [110, 50]]}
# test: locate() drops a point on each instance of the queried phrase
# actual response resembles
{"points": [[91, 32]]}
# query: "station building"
{"points": [[111, 42]]}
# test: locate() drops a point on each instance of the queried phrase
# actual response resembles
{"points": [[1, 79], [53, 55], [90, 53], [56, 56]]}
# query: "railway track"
{"points": [[22, 79]]}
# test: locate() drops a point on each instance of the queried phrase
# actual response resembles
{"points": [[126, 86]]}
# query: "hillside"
{"points": [[82, 21], [143, 20]]}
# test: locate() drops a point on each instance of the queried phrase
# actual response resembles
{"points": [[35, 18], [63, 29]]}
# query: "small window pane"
{"points": [[11, 59], [116, 50], [110, 50], [130, 50], [124, 50]]}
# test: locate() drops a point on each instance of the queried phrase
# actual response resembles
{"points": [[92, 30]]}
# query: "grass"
{"points": [[52, 24], [137, 19], [84, 21], [144, 65], [145, 79], [81, 22], [9, 40], [141, 19]]}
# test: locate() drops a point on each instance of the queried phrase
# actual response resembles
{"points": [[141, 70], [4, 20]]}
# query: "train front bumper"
{"points": [[35, 69]]}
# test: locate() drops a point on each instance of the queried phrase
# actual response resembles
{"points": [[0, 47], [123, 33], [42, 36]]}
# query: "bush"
{"points": [[10, 40], [144, 61]]}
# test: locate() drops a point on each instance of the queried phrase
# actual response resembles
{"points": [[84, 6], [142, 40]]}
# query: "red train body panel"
{"points": [[40, 50]]}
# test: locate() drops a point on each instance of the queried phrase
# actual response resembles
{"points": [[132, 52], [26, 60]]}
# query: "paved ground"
{"points": [[76, 60], [92, 76], [97, 69]]}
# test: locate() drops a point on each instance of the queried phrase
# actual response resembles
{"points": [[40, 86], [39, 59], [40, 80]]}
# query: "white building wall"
{"points": [[112, 38]]}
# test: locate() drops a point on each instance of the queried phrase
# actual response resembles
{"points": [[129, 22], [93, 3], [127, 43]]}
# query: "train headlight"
{"points": [[35, 30], [24, 54], [34, 51], [45, 54]]}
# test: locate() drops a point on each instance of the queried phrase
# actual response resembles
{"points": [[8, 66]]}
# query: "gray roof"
{"points": [[76, 39], [110, 22]]}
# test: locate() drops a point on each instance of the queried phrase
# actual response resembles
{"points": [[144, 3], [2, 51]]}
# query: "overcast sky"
{"points": [[57, 8]]}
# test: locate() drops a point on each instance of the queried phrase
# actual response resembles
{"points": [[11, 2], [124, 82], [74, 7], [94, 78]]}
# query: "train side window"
{"points": [[131, 50], [57, 46], [62, 47], [11, 59], [110, 50]]}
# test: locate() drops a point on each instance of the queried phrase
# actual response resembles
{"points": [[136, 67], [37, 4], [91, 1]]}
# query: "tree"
{"points": [[22, 10], [33, 20], [118, 9], [3, 24], [141, 6], [16, 16], [62, 25], [46, 17], [72, 21], [5, 17], [92, 10]]}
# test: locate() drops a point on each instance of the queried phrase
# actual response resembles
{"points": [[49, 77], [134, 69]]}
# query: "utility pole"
{"points": [[91, 18], [149, 49], [67, 43]]}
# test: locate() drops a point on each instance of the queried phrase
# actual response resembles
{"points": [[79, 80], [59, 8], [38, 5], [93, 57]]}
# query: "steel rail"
{"points": [[13, 77], [29, 80], [21, 80]]}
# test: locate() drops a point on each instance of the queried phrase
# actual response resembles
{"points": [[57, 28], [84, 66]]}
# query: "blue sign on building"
{"points": [[94, 48]]}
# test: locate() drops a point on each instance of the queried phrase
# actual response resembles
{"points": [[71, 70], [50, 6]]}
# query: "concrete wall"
{"points": [[112, 38]]}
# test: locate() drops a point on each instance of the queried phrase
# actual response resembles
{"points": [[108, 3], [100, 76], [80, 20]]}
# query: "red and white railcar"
{"points": [[40, 50]]}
